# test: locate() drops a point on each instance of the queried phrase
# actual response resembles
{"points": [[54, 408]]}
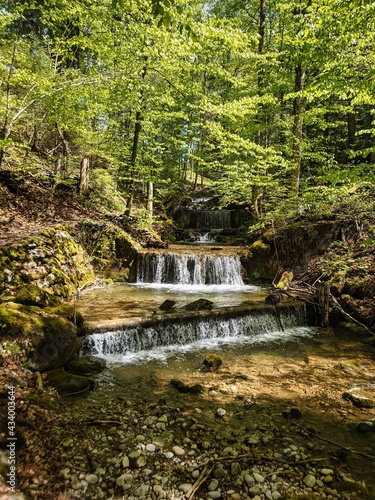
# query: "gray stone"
{"points": [[185, 487], [141, 491], [214, 494], [258, 477], [309, 480], [213, 485], [91, 478]]}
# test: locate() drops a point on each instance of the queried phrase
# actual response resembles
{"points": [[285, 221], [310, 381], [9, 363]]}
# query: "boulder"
{"points": [[167, 305], [212, 362], [85, 365], [198, 305], [361, 396], [68, 384]]}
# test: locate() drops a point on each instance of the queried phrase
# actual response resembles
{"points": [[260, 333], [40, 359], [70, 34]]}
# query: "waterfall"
{"points": [[189, 269], [212, 219], [137, 338]]}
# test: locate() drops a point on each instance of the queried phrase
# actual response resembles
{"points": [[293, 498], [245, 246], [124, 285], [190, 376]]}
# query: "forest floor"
{"points": [[29, 205]]}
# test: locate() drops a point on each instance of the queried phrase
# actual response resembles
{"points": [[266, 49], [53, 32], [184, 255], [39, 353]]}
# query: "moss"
{"points": [[33, 295], [260, 248], [42, 401]]}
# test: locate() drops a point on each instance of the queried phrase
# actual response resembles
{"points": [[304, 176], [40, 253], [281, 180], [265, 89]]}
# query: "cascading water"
{"points": [[189, 269], [207, 224], [254, 328]]}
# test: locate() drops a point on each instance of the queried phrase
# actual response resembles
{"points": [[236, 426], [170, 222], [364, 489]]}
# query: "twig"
{"points": [[91, 463], [372, 457], [205, 474], [102, 422]]}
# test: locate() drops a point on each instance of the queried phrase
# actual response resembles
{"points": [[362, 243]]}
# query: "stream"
{"points": [[267, 367]]}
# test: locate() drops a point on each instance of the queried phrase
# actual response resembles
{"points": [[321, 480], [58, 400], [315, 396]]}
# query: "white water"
{"points": [[189, 269], [164, 340]]}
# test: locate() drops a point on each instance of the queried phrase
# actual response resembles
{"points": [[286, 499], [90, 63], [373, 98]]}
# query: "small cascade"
{"points": [[189, 269], [256, 327], [207, 224]]}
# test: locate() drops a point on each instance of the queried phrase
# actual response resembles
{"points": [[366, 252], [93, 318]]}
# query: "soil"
{"points": [[30, 204]]}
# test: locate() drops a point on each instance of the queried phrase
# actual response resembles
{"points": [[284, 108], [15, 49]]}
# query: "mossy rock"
{"points": [[46, 402], [68, 384], [70, 312], [198, 305], [85, 365], [260, 248], [52, 260], [53, 339], [212, 362], [33, 295]]}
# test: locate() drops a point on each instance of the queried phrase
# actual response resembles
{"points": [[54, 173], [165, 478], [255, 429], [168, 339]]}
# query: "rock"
{"points": [[153, 243], [220, 413], [200, 304], [141, 491], [33, 295], [213, 485], [212, 362], [292, 412], [309, 480], [185, 487], [85, 365], [258, 477], [184, 388], [53, 339], [367, 425], [167, 305], [178, 451], [91, 478], [214, 494], [361, 396], [124, 479], [67, 383]]}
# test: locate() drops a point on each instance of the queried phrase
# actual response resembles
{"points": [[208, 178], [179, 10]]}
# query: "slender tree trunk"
{"points": [[298, 111], [135, 146], [255, 191], [351, 132], [84, 177], [150, 198]]}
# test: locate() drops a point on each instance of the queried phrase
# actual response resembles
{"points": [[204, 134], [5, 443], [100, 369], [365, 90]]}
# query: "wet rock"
{"points": [[85, 365], [367, 425], [67, 383], [185, 388], [292, 412], [200, 304], [167, 305], [212, 362], [361, 396]]}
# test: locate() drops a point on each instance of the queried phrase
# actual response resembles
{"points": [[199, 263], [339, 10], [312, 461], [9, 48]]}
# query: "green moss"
{"points": [[260, 248]]}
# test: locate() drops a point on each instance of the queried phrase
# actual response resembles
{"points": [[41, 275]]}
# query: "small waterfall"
{"points": [[189, 269], [137, 338], [207, 224], [212, 219]]}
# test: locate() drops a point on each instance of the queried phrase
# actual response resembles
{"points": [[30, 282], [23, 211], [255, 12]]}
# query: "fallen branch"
{"points": [[348, 316], [372, 457]]}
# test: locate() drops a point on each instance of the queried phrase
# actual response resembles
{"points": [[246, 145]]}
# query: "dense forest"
{"points": [[187, 249], [269, 102]]}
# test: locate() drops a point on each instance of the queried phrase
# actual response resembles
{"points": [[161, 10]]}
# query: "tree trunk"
{"points": [[323, 301], [134, 154], [84, 177], [298, 110], [351, 132], [150, 198], [255, 191]]}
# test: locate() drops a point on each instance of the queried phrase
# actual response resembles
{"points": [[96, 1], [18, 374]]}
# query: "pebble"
{"points": [[178, 451], [91, 478], [309, 480]]}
